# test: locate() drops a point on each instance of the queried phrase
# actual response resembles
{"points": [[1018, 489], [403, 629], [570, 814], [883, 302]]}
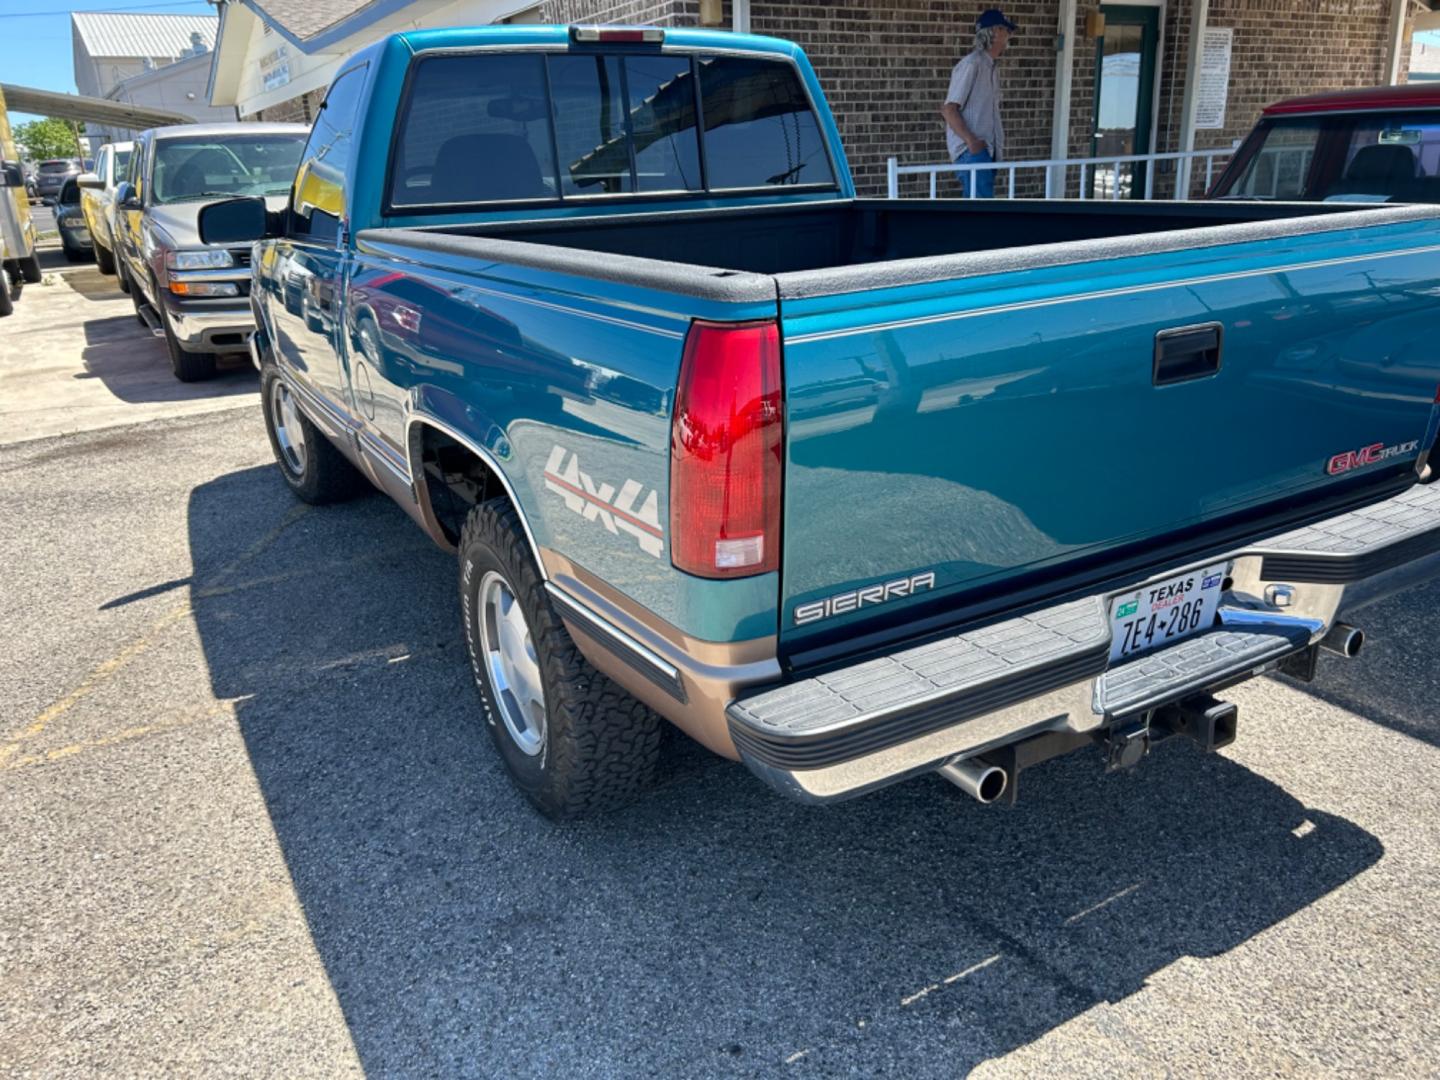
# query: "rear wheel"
{"points": [[315, 471], [104, 259], [573, 741], [7, 306], [30, 270]]}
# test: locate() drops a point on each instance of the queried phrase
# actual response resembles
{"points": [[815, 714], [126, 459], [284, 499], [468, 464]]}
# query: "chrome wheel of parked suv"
{"points": [[289, 432], [314, 470]]}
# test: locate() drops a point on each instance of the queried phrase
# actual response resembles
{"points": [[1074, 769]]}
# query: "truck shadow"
{"points": [[1399, 637], [712, 928], [135, 367]]}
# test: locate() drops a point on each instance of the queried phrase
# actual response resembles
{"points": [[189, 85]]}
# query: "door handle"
{"points": [[1183, 353]]}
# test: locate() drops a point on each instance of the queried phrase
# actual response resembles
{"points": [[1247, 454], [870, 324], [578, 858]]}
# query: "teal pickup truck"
{"points": [[849, 490]]}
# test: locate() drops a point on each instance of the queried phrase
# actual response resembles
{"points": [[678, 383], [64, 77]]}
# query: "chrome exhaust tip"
{"points": [[1344, 640], [982, 782]]}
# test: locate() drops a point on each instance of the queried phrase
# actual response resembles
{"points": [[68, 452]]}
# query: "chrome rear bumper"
{"points": [[839, 734]]}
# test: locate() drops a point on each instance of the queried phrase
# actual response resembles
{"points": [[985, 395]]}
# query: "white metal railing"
{"points": [[1100, 177], [1280, 169]]}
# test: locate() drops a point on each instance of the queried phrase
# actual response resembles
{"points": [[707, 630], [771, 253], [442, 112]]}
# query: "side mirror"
{"points": [[90, 180], [125, 197], [12, 176], [234, 221]]}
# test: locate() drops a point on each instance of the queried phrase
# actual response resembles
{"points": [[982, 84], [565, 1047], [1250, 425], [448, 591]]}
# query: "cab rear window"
{"points": [[495, 128]]}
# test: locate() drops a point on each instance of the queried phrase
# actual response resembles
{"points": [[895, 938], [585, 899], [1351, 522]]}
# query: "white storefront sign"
{"points": [[275, 68], [1213, 85]]}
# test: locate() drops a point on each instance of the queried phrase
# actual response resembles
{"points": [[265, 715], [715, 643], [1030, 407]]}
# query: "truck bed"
{"points": [[824, 236], [977, 390]]}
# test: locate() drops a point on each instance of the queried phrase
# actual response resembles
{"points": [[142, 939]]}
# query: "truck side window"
{"points": [[319, 196], [474, 129], [759, 128]]}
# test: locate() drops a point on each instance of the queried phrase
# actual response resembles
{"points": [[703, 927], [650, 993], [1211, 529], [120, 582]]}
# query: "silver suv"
{"points": [[195, 295]]}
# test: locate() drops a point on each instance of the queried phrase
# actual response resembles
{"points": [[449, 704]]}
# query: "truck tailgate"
{"points": [[1021, 423]]}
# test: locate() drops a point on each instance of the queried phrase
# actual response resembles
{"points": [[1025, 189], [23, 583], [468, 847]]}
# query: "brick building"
{"points": [[1079, 79]]}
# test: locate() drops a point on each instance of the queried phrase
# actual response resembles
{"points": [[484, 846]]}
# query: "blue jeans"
{"points": [[984, 179]]}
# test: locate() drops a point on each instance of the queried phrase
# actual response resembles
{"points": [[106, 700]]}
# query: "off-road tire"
{"points": [[7, 306], [104, 259], [601, 745], [30, 270], [328, 476]]}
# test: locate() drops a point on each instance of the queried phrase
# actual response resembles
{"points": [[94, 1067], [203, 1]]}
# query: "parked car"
{"points": [[882, 488], [50, 176], [1377, 145], [196, 295], [97, 198], [30, 184], [75, 238], [18, 262]]}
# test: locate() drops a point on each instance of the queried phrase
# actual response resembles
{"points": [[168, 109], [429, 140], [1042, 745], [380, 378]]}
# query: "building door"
{"points": [[1124, 92]]}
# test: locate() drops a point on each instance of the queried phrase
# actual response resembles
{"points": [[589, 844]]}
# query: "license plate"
{"points": [[1165, 611]]}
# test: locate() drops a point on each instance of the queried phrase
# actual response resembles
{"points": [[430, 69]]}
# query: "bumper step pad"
{"points": [[1359, 544], [852, 712], [827, 719], [1191, 665]]}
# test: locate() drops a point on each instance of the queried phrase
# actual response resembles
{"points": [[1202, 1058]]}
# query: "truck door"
{"points": [[310, 259], [129, 214]]}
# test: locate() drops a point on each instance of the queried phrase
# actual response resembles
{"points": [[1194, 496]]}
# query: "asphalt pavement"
{"points": [[253, 827]]}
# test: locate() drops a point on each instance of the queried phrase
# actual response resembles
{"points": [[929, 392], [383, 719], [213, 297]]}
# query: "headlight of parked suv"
{"points": [[217, 259]]}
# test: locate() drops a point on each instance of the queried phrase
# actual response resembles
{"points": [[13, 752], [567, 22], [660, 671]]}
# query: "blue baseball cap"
{"points": [[994, 17]]}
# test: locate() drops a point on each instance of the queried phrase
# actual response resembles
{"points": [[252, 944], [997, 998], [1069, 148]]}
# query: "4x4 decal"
{"points": [[600, 502]]}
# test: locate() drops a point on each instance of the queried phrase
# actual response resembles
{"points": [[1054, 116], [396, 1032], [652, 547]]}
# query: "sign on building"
{"points": [[1213, 85], [275, 68]]}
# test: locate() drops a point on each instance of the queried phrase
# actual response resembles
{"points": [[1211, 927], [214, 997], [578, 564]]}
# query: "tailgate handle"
{"points": [[1187, 352]]}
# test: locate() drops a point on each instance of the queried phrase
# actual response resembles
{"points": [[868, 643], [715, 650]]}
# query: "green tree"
{"points": [[48, 138]]}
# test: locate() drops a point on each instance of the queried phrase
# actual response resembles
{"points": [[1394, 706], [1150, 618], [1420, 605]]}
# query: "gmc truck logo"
{"points": [[617, 512], [1369, 455]]}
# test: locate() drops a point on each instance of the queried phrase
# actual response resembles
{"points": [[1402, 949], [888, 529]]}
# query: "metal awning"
{"points": [[118, 114]]}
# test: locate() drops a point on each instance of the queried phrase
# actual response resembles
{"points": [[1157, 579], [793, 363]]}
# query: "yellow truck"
{"points": [[17, 231]]}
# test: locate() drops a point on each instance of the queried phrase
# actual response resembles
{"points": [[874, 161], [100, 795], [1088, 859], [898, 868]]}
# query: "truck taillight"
{"points": [[726, 441]]}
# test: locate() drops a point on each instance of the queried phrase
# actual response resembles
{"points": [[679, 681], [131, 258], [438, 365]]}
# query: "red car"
{"points": [[1380, 145]]}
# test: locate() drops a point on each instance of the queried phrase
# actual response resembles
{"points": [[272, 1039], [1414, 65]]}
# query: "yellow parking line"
{"points": [[222, 708], [91, 681], [109, 667]]}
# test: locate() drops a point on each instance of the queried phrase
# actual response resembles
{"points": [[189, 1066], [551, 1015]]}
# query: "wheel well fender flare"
{"points": [[414, 444]]}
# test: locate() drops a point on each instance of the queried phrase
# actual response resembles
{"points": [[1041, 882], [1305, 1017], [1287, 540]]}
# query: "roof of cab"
{"points": [[243, 130], [451, 37], [1410, 96]]}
